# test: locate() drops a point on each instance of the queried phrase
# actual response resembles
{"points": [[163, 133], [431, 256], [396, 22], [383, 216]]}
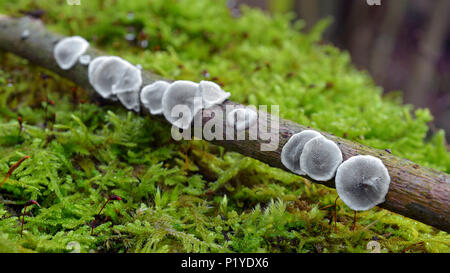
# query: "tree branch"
{"points": [[417, 192]]}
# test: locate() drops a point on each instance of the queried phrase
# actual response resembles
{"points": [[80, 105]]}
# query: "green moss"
{"points": [[222, 201]]}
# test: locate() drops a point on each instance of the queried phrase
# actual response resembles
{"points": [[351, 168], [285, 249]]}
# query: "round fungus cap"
{"points": [[151, 96], [290, 154], [85, 59], [362, 182], [68, 50], [242, 118], [181, 97], [212, 94], [320, 158], [110, 75], [131, 79], [25, 34]]}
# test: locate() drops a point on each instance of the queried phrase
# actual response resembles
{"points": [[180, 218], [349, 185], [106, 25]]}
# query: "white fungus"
{"points": [[212, 94], [290, 154], [130, 36], [242, 118], [144, 43], [151, 96], [25, 34], [85, 59], [320, 158], [362, 182], [111, 75], [68, 50], [181, 94], [130, 100]]}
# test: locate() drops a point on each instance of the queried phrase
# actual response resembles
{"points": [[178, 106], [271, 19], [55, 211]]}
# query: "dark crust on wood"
{"points": [[417, 192]]}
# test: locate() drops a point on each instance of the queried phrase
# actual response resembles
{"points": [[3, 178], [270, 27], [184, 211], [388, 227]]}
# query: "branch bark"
{"points": [[416, 192]]}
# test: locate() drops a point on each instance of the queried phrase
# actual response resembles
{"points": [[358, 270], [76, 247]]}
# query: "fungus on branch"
{"points": [[181, 97], [130, 100], [320, 158], [85, 59], [151, 96], [290, 154], [25, 34], [212, 94], [68, 50], [242, 118], [362, 182], [110, 75]]}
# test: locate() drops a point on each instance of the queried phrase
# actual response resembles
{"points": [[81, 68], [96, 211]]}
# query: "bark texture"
{"points": [[416, 192]]}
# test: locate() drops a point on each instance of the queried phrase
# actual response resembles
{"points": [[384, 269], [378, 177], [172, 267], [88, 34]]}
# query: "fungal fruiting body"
{"points": [[85, 59], [25, 34], [320, 158], [212, 94], [242, 118], [68, 50], [290, 154], [181, 97], [130, 100], [101, 82], [151, 96], [110, 75], [362, 182]]}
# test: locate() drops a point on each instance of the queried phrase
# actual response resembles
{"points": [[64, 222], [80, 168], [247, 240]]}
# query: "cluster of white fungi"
{"points": [[116, 79], [362, 181]]}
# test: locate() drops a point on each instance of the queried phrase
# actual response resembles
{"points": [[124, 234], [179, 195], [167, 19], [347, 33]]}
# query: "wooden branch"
{"points": [[417, 192]]}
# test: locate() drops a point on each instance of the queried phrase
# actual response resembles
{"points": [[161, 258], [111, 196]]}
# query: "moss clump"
{"points": [[193, 196]]}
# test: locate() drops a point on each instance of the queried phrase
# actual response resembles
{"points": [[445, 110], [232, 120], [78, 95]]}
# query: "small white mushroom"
{"points": [[25, 34], [290, 154], [85, 59], [94, 64], [110, 75], [130, 36], [362, 182], [130, 100], [212, 94], [151, 96], [68, 50], [181, 95], [130, 80], [242, 118], [103, 77], [144, 43], [320, 158]]}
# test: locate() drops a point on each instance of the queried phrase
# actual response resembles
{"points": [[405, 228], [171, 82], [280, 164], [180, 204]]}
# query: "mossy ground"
{"points": [[193, 196]]}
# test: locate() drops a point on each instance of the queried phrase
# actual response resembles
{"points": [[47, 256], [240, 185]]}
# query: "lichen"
{"points": [[191, 195]]}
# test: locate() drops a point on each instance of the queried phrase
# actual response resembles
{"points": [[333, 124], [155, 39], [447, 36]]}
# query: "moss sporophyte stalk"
{"points": [[220, 201]]}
